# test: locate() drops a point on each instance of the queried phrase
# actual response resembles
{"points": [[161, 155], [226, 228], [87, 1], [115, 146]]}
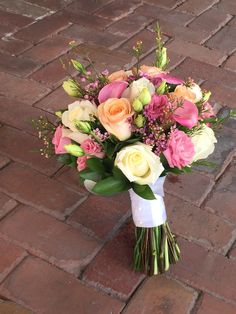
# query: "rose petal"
{"points": [[187, 114], [112, 90], [170, 79]]}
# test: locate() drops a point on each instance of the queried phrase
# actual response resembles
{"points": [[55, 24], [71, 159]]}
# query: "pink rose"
{"points": [[81, 163], [112, 90], [91, 147], [180, 149], [207, 111], [59, 141], [186, 114]]}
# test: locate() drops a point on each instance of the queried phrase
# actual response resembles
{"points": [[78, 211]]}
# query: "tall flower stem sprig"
{"points": [[137, 51], [162, 60]]}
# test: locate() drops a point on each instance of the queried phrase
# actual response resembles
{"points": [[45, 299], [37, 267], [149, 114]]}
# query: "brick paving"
{"points": [[65, 252]]}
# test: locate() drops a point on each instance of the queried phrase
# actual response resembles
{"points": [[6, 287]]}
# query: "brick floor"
{"points": [[63, 251]]}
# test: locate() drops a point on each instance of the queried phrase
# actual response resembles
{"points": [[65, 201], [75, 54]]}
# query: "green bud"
{"points": [[83, 126], [137, 105], [78, 66], [145, 96], [71, 88], [163, 59], [74, 150], [58, 114], [139, 121], [161, 89], [206, 96]]}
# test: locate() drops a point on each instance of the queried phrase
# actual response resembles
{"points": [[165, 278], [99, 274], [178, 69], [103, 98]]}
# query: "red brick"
{"points": [[232, 22], [222, 201], [48, 50], [55, 101], [3, 161], [6, 204], [117, 9], [210, 21], [42, 28], [51, 4], [56, 292], [202, 71], [19, 115], [22, 89], [13, 46], [111, 211], [113, 265], [12, 19], [86, 6], [203, 54], [169, 4], [228, 6], [12, 308], [231, 63], [49, 238], [182, 186], [29, 153], [11, 256], [232, 253], [178, 31], [6, 29], [85, 34], [17, 66], [45, 194], [206, 271], [162, 295], [223, 40], [198, 225], [198, 7], [212, 305], [221, 94]]}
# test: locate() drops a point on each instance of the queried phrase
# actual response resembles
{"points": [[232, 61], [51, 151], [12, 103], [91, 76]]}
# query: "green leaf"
{"points": [[68, 160], [95, 164], [89, 175], [110, 186], [118, 174], [203, 162], [143, 191]]}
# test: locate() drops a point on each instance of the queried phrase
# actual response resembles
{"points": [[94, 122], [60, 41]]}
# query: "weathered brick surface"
{"points": [[224, 40], [162, 295], [3, 161], [196, 8], [13, 308], [49, 238], [46, 289], [6, 204], [212, 305], [231, 63], [13, 46]]}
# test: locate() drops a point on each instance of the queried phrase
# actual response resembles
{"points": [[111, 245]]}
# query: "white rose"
{"points": [[139, 164], [195, 88], [204, 143], [78, 110], [136, 87]]}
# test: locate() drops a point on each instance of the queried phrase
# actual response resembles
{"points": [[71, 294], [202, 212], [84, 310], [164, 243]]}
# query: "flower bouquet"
{"points": [[126, 131]]}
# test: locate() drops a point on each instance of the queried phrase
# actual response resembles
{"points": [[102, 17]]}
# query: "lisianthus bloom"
{"points": [[118, 76], [186, 114], [139, 164], [78, 110], [60, 140], [114, 114], [81, 163], [112, 90], [207, 111], [136, 87], [180, 149], [155, 109], [91, 147], [151, 70], [204, 143]]}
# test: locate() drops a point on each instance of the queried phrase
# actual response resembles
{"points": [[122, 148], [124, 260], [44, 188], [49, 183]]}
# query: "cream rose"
{"points": [[114, 114], [192, 93], [204, 143], [151, 70], [78, 110], [136, 88], [139, 164]]}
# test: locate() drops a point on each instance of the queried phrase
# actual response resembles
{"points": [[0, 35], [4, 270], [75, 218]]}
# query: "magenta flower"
{"points": [[59, 141], [180, 149], [155, 109], [186, 114], [112, 90]]}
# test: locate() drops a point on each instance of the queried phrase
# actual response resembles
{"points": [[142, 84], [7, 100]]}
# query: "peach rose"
{"points": [[118, 76], [181, 91], [151, 70], [114, 114]]}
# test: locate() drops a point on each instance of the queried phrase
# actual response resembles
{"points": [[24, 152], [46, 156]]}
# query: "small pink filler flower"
{"points": [[91, 147], [180, 149], [59, 141]]}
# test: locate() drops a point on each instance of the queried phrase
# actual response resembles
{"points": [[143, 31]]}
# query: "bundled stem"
{"points": [[155, 249]]}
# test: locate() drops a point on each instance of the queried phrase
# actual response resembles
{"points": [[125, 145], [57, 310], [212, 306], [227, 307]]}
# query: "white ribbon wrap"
{"points": [[149, 213]]}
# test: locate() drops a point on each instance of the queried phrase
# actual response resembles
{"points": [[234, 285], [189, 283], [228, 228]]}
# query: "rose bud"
{"points": [[83, 126], [74, 150], [71, 88], [145, 96], [137, 105], [139, 121]]}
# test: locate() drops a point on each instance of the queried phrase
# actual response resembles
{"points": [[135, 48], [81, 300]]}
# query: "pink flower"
{"points": [[59, 141], [207, 111], [81, 163], [180, 149], [112, 90], [186, 114], [155, 109], [91, 147]]}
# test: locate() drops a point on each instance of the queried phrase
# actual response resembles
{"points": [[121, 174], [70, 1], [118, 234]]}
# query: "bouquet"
{"points": [[125, 132]]}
